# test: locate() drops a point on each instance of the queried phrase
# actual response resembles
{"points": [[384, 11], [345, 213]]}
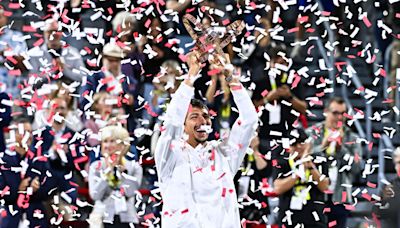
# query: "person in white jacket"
{"points": [[114, 180], [196, 175]]}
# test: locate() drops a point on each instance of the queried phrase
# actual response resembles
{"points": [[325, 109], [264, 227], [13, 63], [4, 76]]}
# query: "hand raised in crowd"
{"points": [[35, 184], [193, 63], [388, 192], [333, 136], [255, 143], [284, 91], [24, 184], [114, 160]]}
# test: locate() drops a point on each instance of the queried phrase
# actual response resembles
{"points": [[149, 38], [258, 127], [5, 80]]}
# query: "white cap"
{"points": [[113, 50]]}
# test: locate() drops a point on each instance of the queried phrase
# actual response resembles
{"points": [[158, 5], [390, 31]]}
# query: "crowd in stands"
{"points": [[80, 123]]}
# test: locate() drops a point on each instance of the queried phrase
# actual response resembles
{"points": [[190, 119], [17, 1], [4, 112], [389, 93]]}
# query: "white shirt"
{"points": [[197, 183]]}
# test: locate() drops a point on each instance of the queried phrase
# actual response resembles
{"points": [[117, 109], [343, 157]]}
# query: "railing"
{"points": [[385, 145], [386, 66], [367, 134]]}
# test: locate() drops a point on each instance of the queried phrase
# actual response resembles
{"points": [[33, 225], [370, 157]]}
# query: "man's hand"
{"points": [[193, 63], [35, 184], [24, 184]]}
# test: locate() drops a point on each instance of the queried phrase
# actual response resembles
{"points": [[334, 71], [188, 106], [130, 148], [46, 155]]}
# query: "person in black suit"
{"points": [[23, 181]]}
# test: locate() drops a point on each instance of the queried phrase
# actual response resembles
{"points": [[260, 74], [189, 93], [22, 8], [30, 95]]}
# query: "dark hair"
{"points": [[274, 52], [338, 100], [198, 104]]}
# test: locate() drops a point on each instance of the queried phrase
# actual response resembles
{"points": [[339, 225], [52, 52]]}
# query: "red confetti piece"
{"points": [[23, 201], [332, 224], [185, 211], [326, 13], [292, 30], [28, 28], [16, 72], [222, 175], [226, 22], [371, 185], [148, 216], [376, 135], [349, 207], [38, 42], [366, 21], [223, 192], [303, 19], [296, 81], [147, 23], [310, 30], [4, 191], [7, 13], [370, 145], [14, 5], [236, 87], [366, 196], [264, 93], [110, 10], [344, 196], [81, 159]]}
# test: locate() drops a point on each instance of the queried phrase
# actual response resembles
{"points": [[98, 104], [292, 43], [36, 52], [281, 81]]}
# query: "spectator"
{"points": [[300, 181], [112, 80], [73, 118], [333, 138], [280, 99], [60, 144], [157, 51], [114, 180], [5, 118], [165, 85], [12, 46], [389, 207], [23, 179], [124, 24], [55, 59], [253, 184], [102, 113], [393, 21]]}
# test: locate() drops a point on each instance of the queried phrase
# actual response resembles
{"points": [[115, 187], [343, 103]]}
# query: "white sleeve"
{"points": [[97, 184], [235, 146], [172, 129]]}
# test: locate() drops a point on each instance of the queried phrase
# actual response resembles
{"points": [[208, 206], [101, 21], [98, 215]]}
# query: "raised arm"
{"points": [[244, 128], [175, 118]]}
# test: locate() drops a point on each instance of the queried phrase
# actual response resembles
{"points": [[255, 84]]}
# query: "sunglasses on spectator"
{"points": [[337, 113]]}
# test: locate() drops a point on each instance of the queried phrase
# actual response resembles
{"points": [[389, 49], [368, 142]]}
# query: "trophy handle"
{"points": [[187, 19], [237, 28]]}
